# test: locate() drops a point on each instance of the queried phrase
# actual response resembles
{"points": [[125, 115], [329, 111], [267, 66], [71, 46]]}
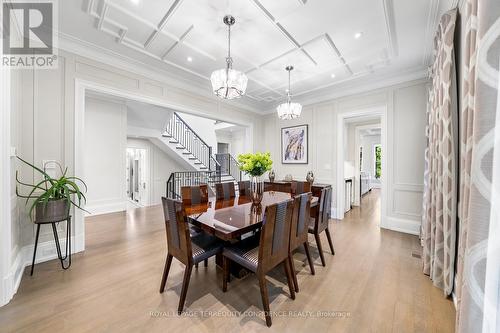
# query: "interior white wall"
{"points": [[235, 139], [161, 165], [349, 151], [104, 156], [406, 107]]}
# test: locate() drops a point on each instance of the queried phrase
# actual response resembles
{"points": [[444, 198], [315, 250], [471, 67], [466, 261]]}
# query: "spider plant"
{"points": [[51, 189]]}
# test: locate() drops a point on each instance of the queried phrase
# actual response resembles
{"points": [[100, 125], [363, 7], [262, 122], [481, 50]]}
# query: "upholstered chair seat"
{"points": [[245, 253], [204, 246]]}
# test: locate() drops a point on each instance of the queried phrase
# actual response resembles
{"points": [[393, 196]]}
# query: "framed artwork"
{"points": [[294, 145]]}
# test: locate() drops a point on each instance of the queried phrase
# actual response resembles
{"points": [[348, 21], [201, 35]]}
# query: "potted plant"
{"points": [[52, 197], [255, 165]]}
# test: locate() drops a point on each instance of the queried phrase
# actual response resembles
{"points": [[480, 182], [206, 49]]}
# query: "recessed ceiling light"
{"points": [[358, 35], [333, 75], [189, 59], [135, 2]]}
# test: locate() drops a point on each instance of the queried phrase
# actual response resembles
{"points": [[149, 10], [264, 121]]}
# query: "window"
{"points": [[378, 161]]}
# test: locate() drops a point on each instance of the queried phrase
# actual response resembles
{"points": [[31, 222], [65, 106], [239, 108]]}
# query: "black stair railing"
{"points": [[229, 166], [189, 178], [187, 139], [180, 132]]}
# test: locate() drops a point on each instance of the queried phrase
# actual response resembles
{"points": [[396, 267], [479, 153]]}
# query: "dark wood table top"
{"points": [[229, 219]]}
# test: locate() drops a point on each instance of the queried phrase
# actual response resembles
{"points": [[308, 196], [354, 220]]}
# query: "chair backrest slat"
{"points": [[275, 234], [325, 205], [244, 187], [177, 229], [224, 191], [194, 195], [300, 220]]}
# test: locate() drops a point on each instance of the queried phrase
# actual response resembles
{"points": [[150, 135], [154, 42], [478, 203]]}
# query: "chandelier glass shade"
{"points": [[289, 110], [228, 83]]}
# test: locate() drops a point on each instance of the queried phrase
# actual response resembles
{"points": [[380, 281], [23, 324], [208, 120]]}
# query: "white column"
{"points": [[5, 200]]}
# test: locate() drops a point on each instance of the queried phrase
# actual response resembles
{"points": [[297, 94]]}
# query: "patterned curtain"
{"points": [[478, 265], [439, 219]]}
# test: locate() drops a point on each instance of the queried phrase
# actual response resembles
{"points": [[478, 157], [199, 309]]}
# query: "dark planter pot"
{"points": [[52, 211]]}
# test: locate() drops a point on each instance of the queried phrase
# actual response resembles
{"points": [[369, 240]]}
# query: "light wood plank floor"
{"points": [[113, 287]]}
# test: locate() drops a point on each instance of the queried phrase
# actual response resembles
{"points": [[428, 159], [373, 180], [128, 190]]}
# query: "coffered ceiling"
{"points": [[329, 42]]}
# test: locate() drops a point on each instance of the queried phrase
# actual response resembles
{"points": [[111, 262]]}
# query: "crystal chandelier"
{"points": [[228, 83], [289, 110]]}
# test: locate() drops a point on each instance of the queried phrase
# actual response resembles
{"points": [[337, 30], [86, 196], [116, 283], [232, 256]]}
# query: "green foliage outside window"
{"points": [[378, 162]]}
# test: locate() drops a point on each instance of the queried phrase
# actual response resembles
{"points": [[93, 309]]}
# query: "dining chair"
{"points": [[299, 187], [263, 253], [319, 223], [224, 191], [188, 250], [244, 187], [299, 231], [195, 194]]}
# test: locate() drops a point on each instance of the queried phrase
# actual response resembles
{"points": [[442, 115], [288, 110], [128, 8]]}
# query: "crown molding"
{"points": [[168, 76], [432, 22], [361, 85]]}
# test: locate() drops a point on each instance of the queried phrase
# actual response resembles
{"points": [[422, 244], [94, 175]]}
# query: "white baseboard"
{"points": [[333, 213], [45, 251], [105, 208], [402, 225]]}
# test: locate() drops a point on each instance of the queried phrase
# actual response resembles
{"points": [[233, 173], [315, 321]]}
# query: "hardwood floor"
{"points": [[373, 281]]}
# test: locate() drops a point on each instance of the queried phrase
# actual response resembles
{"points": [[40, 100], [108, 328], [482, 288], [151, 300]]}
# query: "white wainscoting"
{"points": [[403, 225], [105, 207], [45, 251]]}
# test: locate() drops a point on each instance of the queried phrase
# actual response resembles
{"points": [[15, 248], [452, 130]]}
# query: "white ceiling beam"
{"points": [[154, 27], [171, 48], [282, 29], [90, 5], [102, 15], [330, 42], [391, 28], [123, 33], [163, 22]]}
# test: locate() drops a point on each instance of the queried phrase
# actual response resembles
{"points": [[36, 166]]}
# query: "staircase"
{"points": [[229, 168], [210, 169]]}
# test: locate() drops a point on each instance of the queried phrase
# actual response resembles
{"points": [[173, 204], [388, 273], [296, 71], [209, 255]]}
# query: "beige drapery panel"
{"points": [[439, 218], [478, 266]]}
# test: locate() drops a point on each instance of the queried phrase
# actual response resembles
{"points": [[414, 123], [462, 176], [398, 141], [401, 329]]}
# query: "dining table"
{"points": [[229, 219]]}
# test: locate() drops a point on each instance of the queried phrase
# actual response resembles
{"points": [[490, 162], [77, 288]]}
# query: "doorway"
{"points": [[361, 134], [222, 148], [137, 179]]}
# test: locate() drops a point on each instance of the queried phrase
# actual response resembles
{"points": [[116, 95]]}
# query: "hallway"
{"points": [[372, 284]]}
